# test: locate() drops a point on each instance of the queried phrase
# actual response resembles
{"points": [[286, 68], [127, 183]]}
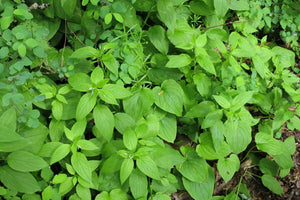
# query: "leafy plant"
{"points": [[97, 96]]}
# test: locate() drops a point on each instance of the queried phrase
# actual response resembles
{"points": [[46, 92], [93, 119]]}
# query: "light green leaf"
{"points": [[96, 76], [168, 128], [148, 167], [204, 61], [272, 184], [87, 145], [211, 118], [118, 17], [222, 101], [126, 169], [268, 144], [111, 63], [102, 196], [24, 161], [80, 82], [68, 6], [104, 121], [8, 119], [206, 187], [239, 5], [169, 97], [85, 105], [83, 192], [138, 184], [217, 134], [139, 103], [22, 50], [201, 109], [130, 139], [60, 152], [228, 166], [81, 166], [86, 52], [118, 91], [108, 18], [178, 61], [203, 84], [22, 182], [122, 121], [167, 13], [240, 100], [108, 97], [221, 7], [157, 36], [57, 109], [118, 194], [66, 186]]}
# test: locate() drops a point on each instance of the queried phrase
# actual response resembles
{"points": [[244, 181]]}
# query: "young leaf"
{"points": [[118, 91], [169, 97], [138, 184], [80, 82], [62, 151], [85, 52], [85, 105], [111, 63], [66, 186], [118, 17], [108, 18], [129, 139], [178, 61], [222, 101], [157, 36], [23, 182], [168, 128], [24, 161], [87, 145], [97, 75], [211, 118], [83, 192], [57, 109], [104, 121], [148, 167], [126, 169], [228, 166], [108, 97], [240, 100], [272, 184], [204, 61], [81, 166]]}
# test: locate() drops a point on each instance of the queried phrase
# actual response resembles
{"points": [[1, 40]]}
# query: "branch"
{"points": [[222, 25]]}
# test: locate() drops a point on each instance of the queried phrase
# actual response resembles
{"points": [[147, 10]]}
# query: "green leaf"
{"points": [[211, 118], [57, 109], [268, 144], [148, 167], [8, 119], [118, 194], [108, 18], [222, 101], [111, 63], [118, 91], [138, 184], [272, 184], [217, 134], [104, 121], [80, 82], [168, 128], [167, 13], [96, 76], [108, 97], [268, 166], [24, 161], [85, 105], [102, 196], [221, 7], [239, 5], [87, 145], [130, 139], [201, 109], [31, 43], [204, 61], [122, 121], [157, 36], [83, 192], [126, 169], [22, 182], [6, 21], [169, 97], [81, 166], [112, 164], [86, 52], [66, 186], [203, 84], [206, 187], [178, 61], [118, 17], [22, 50], [68, 6], [60, 152], [228, 166]]}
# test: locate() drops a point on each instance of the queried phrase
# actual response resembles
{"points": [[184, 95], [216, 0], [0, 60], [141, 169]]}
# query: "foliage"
{"points": [[95, 92]]}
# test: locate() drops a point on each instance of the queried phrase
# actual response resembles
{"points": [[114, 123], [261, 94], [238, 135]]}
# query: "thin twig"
{"points": [[222, 25], [65, 41]]}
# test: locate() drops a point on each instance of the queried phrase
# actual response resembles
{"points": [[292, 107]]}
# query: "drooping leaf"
{"points": [[157, 36]]}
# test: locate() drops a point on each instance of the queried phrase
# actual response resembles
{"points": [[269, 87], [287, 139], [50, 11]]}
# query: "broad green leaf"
{"points": [[22, 182], [108, 18], [222, 101], [239, 5], [118, 91], [268, 144], [268, 166], [87, 145], [194, 169], [59, 178], [111, 63], [31, 43], [86, 52], [24, 161], [22, 50], [260, 66], [83, 192], [118, 194], [272, 184], [167, 13], [203, 84], [221, 7], [138, 184], [60, 152], [178, 61], [202, 8], [96, 76], [102, 196], [282, 58], [47, 193], [78, 128], [80, 82], [126, 169], [157, 36], [217, 134], [112, 164], [168, 128], [104, 121], [81, 166], [228, 166], [238, 135], [139, 103], [211, 118], [66, 186], [118, 17], [204, 61], [201, 109], [201, 191], [130, 139], [169, 97], [57, 109], [9, 119], [122, 121], [108, 97], [148, 167], [85, 105], [68, 6]]}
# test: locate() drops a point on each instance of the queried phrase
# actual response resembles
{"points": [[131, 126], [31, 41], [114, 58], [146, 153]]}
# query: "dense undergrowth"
{"points": [[95, 92]]}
